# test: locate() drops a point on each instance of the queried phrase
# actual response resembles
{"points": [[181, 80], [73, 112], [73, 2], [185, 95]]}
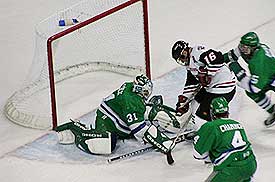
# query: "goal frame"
{"points": [[51, 39]]}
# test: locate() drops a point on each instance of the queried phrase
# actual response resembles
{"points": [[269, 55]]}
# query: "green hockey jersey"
{"points": [[122, 112], [262, 66], [223, 141]]}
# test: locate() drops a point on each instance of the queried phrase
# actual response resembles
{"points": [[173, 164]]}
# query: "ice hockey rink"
{"points": [[217, 24]]}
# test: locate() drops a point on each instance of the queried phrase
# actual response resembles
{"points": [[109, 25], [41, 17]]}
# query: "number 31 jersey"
{"points": [[125, 110], [222, 140]]}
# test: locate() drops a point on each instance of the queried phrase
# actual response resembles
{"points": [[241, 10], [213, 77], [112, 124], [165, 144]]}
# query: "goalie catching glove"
{"points": [[156, 104], [156, 100]]}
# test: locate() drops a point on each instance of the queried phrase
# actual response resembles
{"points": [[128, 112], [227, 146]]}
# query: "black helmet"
{"points": [[177, 49]]}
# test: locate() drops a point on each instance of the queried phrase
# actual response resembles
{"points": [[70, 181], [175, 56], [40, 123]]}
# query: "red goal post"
{"points": [[109, 36]]}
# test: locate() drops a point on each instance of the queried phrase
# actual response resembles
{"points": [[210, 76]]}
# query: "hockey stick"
{"points": [[169, 156], [180, 138], [163, 107]]}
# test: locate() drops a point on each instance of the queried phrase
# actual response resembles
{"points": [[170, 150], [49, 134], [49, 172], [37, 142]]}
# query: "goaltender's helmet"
{"points": [[143, 86], [180, 52], [249, 43], [219, 107]]}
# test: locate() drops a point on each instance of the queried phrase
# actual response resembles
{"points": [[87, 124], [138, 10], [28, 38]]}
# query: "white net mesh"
{"points": [[114, 43]]}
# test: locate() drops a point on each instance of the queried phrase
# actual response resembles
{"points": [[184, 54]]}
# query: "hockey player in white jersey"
{"points": [[205, 70]]}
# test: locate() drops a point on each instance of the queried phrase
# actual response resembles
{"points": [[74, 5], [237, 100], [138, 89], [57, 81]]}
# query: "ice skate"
{"points": [[270, 121]]}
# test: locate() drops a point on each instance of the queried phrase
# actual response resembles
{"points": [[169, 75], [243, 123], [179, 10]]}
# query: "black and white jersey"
{"points": [[222, 79]]}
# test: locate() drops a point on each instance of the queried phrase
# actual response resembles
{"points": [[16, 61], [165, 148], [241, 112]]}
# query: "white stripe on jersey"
{"points": [[119, 123], [223, 80], [137, 128]]}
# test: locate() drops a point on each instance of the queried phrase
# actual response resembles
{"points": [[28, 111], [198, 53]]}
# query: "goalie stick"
{"points": [[169, 156], [164, 107], [178, 139]]}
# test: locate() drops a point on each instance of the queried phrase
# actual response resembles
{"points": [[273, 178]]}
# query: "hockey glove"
{"points": [[163, 108], [237, 69], [182, 107], [153, 112], [230, 56], [156, 100], [203, 77]]}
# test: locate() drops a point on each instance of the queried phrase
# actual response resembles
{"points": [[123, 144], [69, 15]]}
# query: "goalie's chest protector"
{"points": [[127, 104]]}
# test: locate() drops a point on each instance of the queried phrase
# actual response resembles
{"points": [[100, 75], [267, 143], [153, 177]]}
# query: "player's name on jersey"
{"points": [[228, 127]]}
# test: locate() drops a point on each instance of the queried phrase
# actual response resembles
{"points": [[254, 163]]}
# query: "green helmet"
{"points": [[219, 105], [250, 39]]}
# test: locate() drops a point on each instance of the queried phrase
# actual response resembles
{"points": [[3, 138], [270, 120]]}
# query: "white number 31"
{"points": [[131, 117]]}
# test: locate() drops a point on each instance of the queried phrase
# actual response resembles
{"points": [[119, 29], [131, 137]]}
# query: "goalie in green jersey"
{"points": [[121, 115], [261, 65], [223, 142]]}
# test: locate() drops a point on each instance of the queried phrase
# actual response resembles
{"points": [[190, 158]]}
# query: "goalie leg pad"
{"points": [[97, 143], [66, 137], [66, 133], [88, 140]]}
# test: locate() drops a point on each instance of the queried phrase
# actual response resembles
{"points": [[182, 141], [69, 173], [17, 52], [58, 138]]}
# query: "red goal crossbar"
{"points": [[85, 23]]}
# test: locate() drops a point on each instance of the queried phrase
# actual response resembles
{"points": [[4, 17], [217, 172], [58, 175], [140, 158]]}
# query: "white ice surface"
{"points": [[216, 23]]}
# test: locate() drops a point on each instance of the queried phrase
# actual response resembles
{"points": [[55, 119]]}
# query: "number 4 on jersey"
{"points": [[237, 140]]}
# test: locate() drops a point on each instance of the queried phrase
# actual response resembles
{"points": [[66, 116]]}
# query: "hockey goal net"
{"points": [[108, 37]]}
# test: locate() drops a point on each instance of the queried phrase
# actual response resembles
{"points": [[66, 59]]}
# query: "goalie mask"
{"points": [[248, 44], [219, 108], [143, 86], [181, 52]]}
